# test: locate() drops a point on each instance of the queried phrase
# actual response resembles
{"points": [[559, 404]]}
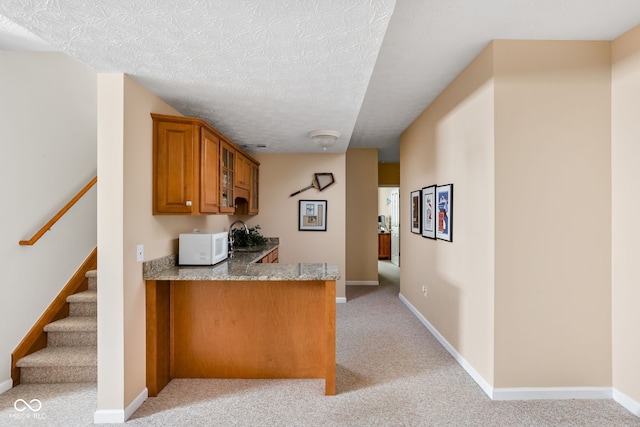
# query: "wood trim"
{"points": [[157, 346], [57, 216], [330, 336], [36, 338]]}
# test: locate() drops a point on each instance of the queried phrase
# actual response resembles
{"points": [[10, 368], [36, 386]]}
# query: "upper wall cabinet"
{"points": [[194, 167], [228, 177], [246, 189], [243, 172], [254, 192]]}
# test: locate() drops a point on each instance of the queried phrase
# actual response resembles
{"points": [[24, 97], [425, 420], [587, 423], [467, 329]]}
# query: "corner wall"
{"points": [[362, 216], [125, 146], [48, 134], [452, 141], [625, 202]]}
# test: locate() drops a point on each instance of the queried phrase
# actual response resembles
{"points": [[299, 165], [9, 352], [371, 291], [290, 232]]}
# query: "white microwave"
{"points": [[202, 248]]}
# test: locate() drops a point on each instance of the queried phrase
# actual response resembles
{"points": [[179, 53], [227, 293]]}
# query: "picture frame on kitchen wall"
{"points": [[415, 212], [312, 215], [428, 201], [444, 218]]}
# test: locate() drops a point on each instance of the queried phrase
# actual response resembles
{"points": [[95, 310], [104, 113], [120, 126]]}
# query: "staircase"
{"points": [[71, 352]]}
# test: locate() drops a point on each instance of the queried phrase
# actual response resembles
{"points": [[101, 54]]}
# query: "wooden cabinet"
{"points": [[254, 198], [197, 170], [227, 177], [247, 185], [384, 245], [270, 258], [210, 143], [185, 159], [243, 172]]}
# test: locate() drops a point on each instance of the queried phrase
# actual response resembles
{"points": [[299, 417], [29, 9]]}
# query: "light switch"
{"points": [[140, 253]]}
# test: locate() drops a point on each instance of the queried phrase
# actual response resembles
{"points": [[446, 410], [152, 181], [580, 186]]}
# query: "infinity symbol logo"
{"points": [[22, 405]]}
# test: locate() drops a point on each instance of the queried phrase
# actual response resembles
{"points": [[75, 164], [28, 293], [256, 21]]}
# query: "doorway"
{"points": [[389, 216]]}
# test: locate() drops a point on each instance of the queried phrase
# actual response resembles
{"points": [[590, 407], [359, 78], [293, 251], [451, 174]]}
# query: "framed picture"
{"points": [[312, 215], [415, 212], [444, 219], [429, 212]]}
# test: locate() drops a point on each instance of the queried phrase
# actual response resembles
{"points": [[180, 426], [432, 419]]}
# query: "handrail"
{"points": [[57, 216]]}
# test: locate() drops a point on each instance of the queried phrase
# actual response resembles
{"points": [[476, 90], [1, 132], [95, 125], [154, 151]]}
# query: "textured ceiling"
{"points": [[268, 72]]}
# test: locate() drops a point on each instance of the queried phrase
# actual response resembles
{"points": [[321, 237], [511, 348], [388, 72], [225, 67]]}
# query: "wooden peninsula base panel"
{"points": [[240, 329]]}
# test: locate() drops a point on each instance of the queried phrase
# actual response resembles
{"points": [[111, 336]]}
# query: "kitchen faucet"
{"points": [[230, 236]]}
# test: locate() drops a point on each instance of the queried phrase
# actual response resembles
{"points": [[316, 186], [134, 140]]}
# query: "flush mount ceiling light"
{"points": [[324, 138]]}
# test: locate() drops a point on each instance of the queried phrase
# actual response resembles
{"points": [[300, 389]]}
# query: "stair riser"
{"points": [[59, 374], [93, 283], [72, 339], [83, 309]]}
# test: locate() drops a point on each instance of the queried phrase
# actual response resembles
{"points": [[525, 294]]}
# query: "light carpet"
{"points": [[390, 372]]}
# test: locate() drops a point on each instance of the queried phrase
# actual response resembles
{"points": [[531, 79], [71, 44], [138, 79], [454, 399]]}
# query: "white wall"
{"points": [[48, 137], [384, 194]]}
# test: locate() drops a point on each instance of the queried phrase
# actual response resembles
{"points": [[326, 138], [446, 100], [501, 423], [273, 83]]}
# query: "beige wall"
{"points": [[626, 211], [523, 291], [389, 174], [552, 203], [124, 221], [48, 139], [283, 174], [362, 216], [452, 142]]}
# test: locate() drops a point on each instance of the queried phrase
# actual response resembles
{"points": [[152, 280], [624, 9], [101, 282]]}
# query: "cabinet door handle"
{"points": [[188, 203]]}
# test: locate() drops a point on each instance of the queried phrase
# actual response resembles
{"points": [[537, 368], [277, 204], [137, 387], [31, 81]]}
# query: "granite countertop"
{"points": [[240, 266]]}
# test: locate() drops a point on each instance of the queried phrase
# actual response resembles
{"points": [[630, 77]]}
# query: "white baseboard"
{"points": [[461, 360], [551, 393], [518, 393], [362, 283], [629, 404], [6, 385], [120, 416], [341, 300]]}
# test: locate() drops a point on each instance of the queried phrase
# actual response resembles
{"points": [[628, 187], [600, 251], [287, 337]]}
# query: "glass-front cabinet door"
{"points": [[255, 189], [227, 176]]}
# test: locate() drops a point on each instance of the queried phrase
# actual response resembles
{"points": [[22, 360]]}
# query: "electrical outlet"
{"points": [[140, 253], [424, 290]]}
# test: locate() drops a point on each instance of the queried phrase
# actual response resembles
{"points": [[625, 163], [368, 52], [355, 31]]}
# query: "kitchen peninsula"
{"points": [[241, 318]]}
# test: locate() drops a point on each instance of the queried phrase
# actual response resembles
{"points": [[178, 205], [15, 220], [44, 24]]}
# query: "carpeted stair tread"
{"points": [[73, 324], [90, 295], [71, 354], [60, 356]]}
